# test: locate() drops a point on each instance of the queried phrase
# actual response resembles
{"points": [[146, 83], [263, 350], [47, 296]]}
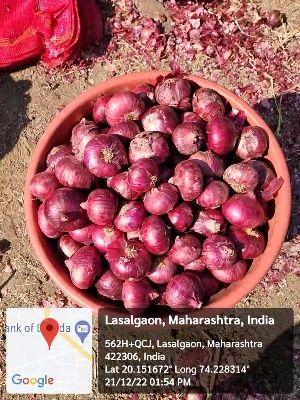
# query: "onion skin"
{"points": [[275, 18], [110, 286], [253, 142], [209, 284], [189, 179], [128, 130], [82, 134], [249, 243], [241, 177], [149, 145], [105, 156], [68, 245], [43, 184], [270, 191], [161, 200], [124, 106], [232, 274], [244, 211], [265, 174], [155, 235], [143, 175], [218, 252], [99, 109], [83, 235], [162, 270], [188, 137], [131, 217], [174, 92], [63, 211], [208, 104], [44, 225], [145, 92], [103, 236], [197, 265], [138, 296], [189, 116], [187, 248], [214, 195], [221, 135], [56, 154], [120, 184], [72, 173], [160, 119], [210, 222], [181, 217], [101, 206], [210, 163]]}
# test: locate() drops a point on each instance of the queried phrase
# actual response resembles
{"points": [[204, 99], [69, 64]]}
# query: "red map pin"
{"points": [[49, 329]]}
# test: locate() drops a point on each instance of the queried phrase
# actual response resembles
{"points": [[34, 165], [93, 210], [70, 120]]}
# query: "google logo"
{"points": [[40, 382]]}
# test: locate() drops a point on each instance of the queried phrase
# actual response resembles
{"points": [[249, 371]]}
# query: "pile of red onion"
{"points": [[161, 199]]}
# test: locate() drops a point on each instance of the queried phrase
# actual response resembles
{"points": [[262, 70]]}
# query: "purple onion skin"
{"points": [[241, 177], [221, 135], [187, 248], [72, 173], [82, 134], [161, 200], [208, 104], [209, 284], [44, 225], [119, 183], [160, 119], [265, 174], [155, 235], [189, 116], [149, 145], [143, 175], [110, 286], [128, 130], [131, 217], [145, 92], [218, 252], [181, 217], [188, 138], [103, 236], [253, 142], [56, 154], [83, 235], [68, 245], [210, 222], [174, 92], [124, 106], [197, 265], [43, 184], [162, 270], [232, 274], [248, 242], [137, 296], [214, 195], [210, 164], [189, 179], [99, 109], [101, 206]]}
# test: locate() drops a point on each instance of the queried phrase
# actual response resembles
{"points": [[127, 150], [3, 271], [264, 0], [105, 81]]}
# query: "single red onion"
{"points": [[174, 92], [44, 225], [128, 129], [63, 211], [210, 163], [209, 283], [68, 245], [265, 173], [270, 191], [244, 211], [155, 235], [184, 291], [162, 199], [43, 184], [103, 236], [189, 116], [124, 106], [241, 177], [197, 265], [110, 286], [84, 266], [143, 175], [83, 235], [208, 104], [145, 92], [188, 138], [221, 135], [214, 195], [131, 216], [248, 242], [189, 179], [149, 145], [181, 217], [99, 109], [162, 270], [187, 248], [101, 206], [231, 274], [105, 156], [56, 154], [253, 142], [138, 295], [82, 134], [160, 119], [120, 184], [218, 252], [275, 18], [72, 173], [210, 222]]}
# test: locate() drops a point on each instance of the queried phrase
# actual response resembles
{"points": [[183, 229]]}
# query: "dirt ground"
{"points": [[29, 99]]}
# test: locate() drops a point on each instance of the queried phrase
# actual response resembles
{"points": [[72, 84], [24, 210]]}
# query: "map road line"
{"points": [[76, 346]]}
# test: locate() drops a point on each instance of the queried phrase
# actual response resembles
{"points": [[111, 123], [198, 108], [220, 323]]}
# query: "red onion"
{"points": [[149, 145], [188, 137], [161, 200], [187, 248], [43, 184], [234, 273], [241, 177], [270, 191], [253, 142], [197, 265], [214, 195], [63, 211], [155, 235], [128, 129], [120, 184], [131, 216], [162, 270], [72, 173], [84, 266], [174, 92], [103, 236], [145, 92], [244, 211], [68, 245], [210, 222], [110, 286], [137, 296], [218, 252], [44, 225], [209, 284], [105, 156], [101, 206], [143, 175], [275, 18], [189, 116], [124, 106], [83, 235], [56, 154], [248, 242], [208, 104], [189, 180], [99, 109], [210, 163], [221, 135], [184, 291], [82, 134], [160, 119], [128, 260], [181, 217]]}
